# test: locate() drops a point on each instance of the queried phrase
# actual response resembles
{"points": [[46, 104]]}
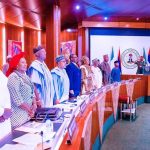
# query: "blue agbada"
{"points": [[61, 84], [42, 79], [74, 74], [115, 75]]}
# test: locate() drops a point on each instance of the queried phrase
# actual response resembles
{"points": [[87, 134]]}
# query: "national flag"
{"points": [[112, 54], [144, 55], [149, 56], [119, 60]]}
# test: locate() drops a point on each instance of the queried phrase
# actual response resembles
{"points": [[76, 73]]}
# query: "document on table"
{"points": [[66, 107], [34, 139], [17, 147], [32, 127]]}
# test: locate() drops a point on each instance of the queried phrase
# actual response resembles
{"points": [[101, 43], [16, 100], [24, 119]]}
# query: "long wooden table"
{"points": [[141, 88]]}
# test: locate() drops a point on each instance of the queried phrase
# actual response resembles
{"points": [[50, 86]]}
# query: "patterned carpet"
{"points": [[126, 135]]}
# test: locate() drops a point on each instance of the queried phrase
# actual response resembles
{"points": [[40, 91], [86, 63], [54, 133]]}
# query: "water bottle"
{"points": [[49, 126]]}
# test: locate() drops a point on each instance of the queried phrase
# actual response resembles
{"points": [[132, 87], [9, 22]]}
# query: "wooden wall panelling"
{"points": [[12, 33], [148, 89], [115, 24], [83, 42], [53, 26], [68, 36], [30, 41], [43, 38]]}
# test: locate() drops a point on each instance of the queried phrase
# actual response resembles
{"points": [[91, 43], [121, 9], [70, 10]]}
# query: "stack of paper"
{"points": [[32, 127], [17, 147], [34, 139]]}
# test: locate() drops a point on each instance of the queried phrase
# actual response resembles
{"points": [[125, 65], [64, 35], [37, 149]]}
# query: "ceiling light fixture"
{"points": [[105, 18], [69, 30], [77, 7]]}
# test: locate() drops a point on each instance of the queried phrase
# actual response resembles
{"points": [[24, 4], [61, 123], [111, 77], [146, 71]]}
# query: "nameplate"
{"points": [[108, 87], [100, 91], [71, 129], [83, 107], [91, 97], [123, 82], [115, 84], [96, 92]]}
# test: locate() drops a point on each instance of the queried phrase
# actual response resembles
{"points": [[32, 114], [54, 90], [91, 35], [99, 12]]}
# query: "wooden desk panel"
{"points": [[141, 87], [148, 89]]}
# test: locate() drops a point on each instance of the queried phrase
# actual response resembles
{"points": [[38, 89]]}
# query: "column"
{"points": [[83, 42], [53, 27]]}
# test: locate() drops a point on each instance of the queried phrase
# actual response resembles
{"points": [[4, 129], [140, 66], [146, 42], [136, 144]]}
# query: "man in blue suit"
{"points": [[74, 74]]}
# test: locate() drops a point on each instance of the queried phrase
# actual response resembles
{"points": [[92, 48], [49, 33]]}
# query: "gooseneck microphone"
{"points": [[41, 133]]}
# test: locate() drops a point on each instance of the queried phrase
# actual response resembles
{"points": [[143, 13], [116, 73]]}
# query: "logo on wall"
{"points": [[129, 56]]}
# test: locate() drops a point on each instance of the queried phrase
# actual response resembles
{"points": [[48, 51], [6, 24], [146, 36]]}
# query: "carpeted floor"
{"points": [[126, 135]]}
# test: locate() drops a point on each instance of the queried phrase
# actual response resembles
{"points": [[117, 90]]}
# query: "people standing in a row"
{"points": [[116, 73], [60, 80], [140, 65], [74, 74], [87, 75], [106, 71], [97, 74], [41, 77], [21, 91]]}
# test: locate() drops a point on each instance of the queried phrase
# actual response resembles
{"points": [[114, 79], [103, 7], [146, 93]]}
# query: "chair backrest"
{"points": [[86, 134]]}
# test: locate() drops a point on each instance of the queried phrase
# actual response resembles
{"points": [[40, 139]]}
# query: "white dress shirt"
{"points": [[5, 126]]}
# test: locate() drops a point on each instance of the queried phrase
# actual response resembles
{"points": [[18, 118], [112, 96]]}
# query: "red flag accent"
{"points": [[119, 60], [149, 56]]}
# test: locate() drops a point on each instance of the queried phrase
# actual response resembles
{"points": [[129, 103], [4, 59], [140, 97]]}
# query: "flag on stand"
{"points": [[112, 54], [149, 56], [119, 60], [144, 55]]}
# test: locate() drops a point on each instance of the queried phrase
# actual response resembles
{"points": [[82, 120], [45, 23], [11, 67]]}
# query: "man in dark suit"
{"points": [[74, 74]]}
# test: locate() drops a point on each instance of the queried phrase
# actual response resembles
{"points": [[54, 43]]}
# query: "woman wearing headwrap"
{"points": [[87, 75], [21, 91]]}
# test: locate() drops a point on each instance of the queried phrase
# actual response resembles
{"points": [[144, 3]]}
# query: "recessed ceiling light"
{"points": [[69, 30], [77, 7], [105, 18], [137, 19]]}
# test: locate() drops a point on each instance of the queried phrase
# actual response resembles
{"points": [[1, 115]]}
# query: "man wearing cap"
{"points": [[41, 77], [60, 80], [6, 66], [140, 65], [106, 71], [115, 73], [97, 75], [74, 74]]}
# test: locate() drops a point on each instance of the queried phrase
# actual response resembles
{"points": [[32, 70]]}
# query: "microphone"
{"points": [[41, 133]]}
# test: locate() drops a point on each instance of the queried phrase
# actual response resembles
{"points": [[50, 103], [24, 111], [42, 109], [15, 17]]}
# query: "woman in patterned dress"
{"points": [[21, 90], [87, 75]]}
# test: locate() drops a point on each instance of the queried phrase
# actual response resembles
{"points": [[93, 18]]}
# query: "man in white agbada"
{"points": [[41, 77], [60, 80], [97, 74], [5, 107]]}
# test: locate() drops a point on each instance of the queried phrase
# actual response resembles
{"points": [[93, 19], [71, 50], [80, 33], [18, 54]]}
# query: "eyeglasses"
{"points": [[63, 61], [74, 57]]}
